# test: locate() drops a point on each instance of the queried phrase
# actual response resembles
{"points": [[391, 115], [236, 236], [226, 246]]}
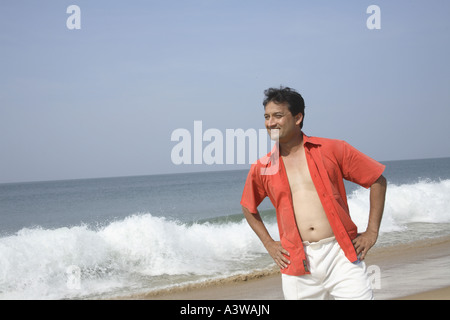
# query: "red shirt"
{"points": [[329, 162]]}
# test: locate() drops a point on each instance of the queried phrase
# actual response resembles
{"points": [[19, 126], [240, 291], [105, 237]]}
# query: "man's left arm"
{"points": [[367, 239]]}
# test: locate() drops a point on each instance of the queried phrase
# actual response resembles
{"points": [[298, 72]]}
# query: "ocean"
{"points": [[125, 236]]}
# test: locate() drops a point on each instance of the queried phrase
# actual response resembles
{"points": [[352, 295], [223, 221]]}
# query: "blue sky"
{"points": [[103, 101]]}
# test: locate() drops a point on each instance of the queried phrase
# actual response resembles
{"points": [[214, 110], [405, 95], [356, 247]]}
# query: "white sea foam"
{"points": [[147, 251], [424, 201], [34, 263]]}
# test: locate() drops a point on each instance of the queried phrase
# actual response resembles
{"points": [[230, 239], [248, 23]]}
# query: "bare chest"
{"points": [[297, 172]]}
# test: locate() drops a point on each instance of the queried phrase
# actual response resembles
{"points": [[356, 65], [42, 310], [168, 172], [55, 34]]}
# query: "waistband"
{"points": [[319, 243]]}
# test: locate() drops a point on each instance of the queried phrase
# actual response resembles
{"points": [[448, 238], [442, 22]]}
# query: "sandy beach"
{"points": [[413, 271]]}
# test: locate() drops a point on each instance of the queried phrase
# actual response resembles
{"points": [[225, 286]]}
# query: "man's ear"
{"points": [[298, 118]]}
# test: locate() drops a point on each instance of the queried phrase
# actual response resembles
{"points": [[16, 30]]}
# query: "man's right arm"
{"points": [[276, 251]]}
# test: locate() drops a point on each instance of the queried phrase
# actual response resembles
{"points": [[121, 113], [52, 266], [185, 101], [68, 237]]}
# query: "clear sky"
{"points": [[103, 101]]}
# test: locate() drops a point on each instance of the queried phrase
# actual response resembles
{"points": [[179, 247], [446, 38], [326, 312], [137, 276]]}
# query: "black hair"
{"points": [[283, 95]]}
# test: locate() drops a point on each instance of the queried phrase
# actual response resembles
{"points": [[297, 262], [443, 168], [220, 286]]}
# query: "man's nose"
{"points": [[271, 122]]}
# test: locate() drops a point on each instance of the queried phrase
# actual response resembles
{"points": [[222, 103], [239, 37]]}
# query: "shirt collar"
{"points": [[310, 140]]}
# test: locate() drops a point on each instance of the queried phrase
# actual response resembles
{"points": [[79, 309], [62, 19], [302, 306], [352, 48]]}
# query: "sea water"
{"points": [[115, 237]]}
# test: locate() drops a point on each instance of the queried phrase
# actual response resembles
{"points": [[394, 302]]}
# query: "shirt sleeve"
{"points": [[360, 168], [254, 191]]}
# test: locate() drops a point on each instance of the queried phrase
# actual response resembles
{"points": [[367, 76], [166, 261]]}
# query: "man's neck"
{"points": [[293, 145]]}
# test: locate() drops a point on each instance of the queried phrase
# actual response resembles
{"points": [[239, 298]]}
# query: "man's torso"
{"points": [[310, 216]]}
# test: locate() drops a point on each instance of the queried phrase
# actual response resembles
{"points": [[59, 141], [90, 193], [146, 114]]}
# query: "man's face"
{"points": [[279, 117]]}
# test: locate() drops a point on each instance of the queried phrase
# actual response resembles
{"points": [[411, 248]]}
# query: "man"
{"points": [[320, 253]]}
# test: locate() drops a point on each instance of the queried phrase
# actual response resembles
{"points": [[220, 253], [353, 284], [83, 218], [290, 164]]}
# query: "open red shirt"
{"points": [[329, 162]]}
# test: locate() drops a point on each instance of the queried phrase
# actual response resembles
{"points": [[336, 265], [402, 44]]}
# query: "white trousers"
{"points": [[332, 276]]}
